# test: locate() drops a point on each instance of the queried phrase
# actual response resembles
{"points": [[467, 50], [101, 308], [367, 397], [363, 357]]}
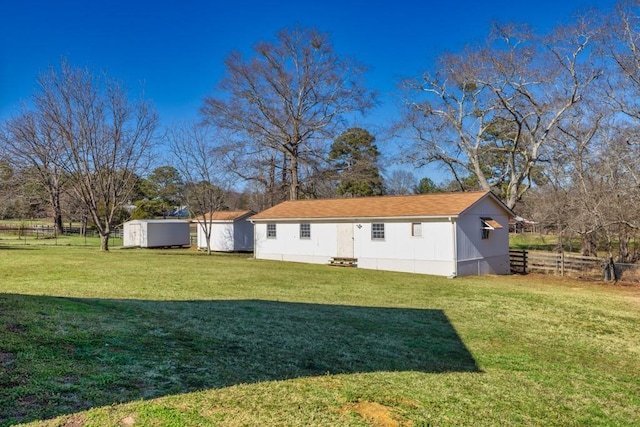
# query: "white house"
{"points": [[155, 233], [230, 231], [453, 234]]}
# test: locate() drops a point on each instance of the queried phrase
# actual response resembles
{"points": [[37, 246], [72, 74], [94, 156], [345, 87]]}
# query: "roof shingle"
{"points": [[439, 204]]}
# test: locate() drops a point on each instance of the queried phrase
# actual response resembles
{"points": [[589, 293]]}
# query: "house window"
{"points": [[416, 229], [271, 231], [305, 231], [377, 231], [485, 233], [488, 224]]}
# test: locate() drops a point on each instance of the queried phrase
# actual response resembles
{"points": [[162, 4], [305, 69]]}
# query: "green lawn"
{"points": [[175, 337]]}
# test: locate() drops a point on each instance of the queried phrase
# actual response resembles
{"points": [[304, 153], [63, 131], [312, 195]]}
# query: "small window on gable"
{"points": [[271, 231], [305, 231], [488, 224], [377, 231], [416, 229]]}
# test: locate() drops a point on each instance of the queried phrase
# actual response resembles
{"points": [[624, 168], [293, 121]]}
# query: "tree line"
{"points": [[546, 121]]}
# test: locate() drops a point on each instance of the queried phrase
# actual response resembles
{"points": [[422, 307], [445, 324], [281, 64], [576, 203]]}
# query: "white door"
{"points": [[134, 234], [345, 241]]}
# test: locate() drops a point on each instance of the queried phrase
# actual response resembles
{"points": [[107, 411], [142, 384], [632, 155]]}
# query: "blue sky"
{"points": [[176, 49]]}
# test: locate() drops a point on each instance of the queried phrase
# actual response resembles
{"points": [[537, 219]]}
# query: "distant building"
{"points": [[156, 233], [178, 212], [230, 231]]}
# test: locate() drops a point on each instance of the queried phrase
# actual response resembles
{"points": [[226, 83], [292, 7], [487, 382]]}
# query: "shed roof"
{"points": [[158, 221], [422, 205], [224, 215]]}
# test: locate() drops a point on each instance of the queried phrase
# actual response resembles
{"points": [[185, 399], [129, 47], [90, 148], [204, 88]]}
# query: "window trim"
{"points": [[413, 229], [272, 231], [305, 234], [378, 234], [487, 224]]}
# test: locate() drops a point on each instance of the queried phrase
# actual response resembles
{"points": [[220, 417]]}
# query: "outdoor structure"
{"points": [[156, 233], [453, 234], [230, 231]]}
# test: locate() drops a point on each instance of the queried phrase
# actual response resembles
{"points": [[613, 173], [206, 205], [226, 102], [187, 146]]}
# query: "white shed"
{"points": [[156, 233], [452, 234], [231, 231]]}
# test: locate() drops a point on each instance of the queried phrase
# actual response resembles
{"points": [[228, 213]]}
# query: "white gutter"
{"points": [[356, 219]]}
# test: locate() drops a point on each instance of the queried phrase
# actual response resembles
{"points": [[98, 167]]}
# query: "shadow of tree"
{"points": [[62, 355]]}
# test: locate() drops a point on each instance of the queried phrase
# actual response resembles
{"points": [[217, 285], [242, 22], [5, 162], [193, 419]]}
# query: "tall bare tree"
{"points": [[106, 139], [30, 142], [488, 112], [284, 99], [198, 159]]}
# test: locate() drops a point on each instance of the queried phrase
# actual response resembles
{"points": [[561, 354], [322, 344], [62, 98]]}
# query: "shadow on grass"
{"points": [[63, 355], [17, 246]]}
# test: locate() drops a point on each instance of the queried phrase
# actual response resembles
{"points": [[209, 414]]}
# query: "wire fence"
{"points": [[48, 235]]}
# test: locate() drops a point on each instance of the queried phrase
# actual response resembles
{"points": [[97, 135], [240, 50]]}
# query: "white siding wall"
{"points": [[221, 237], [432, 253], [287, 246]]}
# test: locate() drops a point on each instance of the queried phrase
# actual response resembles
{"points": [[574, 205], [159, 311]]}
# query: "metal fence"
{"points": [[48, 235]]}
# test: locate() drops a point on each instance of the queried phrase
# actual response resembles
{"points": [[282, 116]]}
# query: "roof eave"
{"points": [[356, 219]]}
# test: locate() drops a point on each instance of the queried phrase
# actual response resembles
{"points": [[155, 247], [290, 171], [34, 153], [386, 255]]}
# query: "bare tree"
{"points": [[400, 181], [31, 142], [198, 159], [592, 187], [289, 95], [488, 112], [106, 139]]}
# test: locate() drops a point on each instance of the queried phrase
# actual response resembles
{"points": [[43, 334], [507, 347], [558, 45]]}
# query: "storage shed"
{"points": [[231, 231], [448, 234], [156, 233]]}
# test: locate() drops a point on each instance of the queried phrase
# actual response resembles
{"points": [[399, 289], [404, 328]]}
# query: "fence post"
{"points": [[562, 263]]}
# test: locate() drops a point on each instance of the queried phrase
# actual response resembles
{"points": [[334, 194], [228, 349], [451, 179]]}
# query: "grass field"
{"points": [[175, 337]]}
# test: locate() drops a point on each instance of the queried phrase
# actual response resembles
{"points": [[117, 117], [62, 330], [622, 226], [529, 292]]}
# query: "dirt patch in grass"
{"points": [[375, 413], [129, 420]]}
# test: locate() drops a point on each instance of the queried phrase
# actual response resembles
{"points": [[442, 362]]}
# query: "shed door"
{"points": [[345, 240], [135, 234]]}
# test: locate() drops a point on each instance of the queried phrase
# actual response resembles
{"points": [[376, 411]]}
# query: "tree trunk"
{"points": [[104, 242], [589, 246], [294, 190], [54, 199]]}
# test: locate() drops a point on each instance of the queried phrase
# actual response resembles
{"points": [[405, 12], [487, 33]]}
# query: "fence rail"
{"points": [[563, 264], [49, 231]]}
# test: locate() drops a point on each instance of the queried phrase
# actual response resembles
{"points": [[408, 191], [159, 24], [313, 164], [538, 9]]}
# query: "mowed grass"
{"points": [[175, 337]]}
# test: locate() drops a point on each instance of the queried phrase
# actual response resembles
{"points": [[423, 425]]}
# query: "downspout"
{"points": [[255, 239], [454, 234]]}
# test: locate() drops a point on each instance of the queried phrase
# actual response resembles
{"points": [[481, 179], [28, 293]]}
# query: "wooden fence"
{"points": [[571, 265]]}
